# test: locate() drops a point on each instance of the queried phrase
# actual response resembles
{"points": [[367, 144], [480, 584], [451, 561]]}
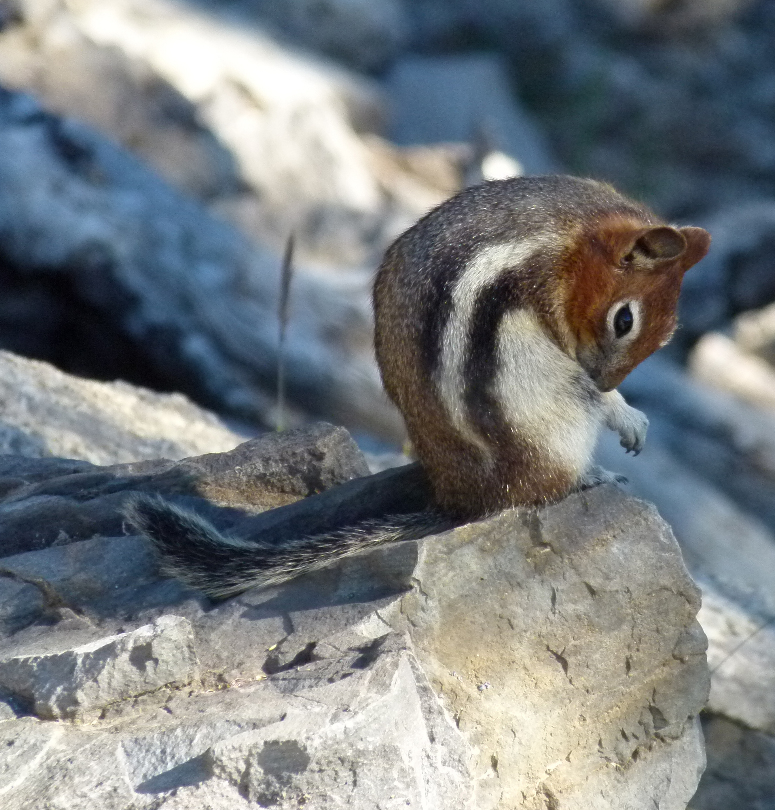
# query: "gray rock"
{"points": [[380, 745], [721, 363], [53, 413], [366, 643], [21, 603], [164, 275], [75, 574], [303, 163], [83, 680], [740, 767], [741, 654], [708, 467], [607, 601], [463, 98], [582, 640], [74, 502], [48, 56]]}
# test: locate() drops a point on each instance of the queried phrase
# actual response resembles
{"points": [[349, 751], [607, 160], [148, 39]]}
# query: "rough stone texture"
{"points": [[52, 501], [48, 413], [85, 679], [708, 467], [562, 643], [393, 745], [566, 612]]}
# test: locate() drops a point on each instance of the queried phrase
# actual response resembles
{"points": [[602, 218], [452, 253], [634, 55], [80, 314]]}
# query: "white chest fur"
{"points": [[539, 389]]}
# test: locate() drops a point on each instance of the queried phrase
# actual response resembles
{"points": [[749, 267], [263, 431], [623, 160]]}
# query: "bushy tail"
{"points": [[193, 550]]}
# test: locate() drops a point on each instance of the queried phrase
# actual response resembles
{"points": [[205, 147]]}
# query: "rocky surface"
{"points": [[84, 680], [263, 114], [44, 412], [577, 679], [55, 502], [94, 230]]}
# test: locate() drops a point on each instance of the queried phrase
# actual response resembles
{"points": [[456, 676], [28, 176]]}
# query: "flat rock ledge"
{"points": [[545, 660]]}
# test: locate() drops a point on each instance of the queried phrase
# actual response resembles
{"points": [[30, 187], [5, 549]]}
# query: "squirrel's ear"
{"points": [[697, 245], [655, 247]]}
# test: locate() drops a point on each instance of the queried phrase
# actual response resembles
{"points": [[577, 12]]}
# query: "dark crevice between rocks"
{"points": [[561, 660], [46, 315]]}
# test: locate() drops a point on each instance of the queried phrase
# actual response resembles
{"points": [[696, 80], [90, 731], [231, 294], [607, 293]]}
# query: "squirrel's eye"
{"points": [[623, 321]]}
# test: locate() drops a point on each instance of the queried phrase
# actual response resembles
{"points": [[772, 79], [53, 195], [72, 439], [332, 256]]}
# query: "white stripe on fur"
{"points": [[482, 270], [540, 389]]}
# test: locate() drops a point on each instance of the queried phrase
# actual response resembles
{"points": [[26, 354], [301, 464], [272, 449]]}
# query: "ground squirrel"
{"points": [[505, 318]]}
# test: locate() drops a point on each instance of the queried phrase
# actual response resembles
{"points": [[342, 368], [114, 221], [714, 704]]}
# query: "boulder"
{"points": [[48, 55], [48, 413], [537, 657], [156, 286], [83, 680], [47, 502]]}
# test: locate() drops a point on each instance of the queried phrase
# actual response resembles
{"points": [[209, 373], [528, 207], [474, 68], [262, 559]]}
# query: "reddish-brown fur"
{"points": [[598, 275]]}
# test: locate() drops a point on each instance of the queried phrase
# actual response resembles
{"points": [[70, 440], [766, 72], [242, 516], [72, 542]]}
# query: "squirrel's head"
{"points": [[623, 284]]}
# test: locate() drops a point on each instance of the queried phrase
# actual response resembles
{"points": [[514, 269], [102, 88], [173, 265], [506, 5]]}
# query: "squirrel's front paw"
{"points": [[595, 476], [632, 429]]}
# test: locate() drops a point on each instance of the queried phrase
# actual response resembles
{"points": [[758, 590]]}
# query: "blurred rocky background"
{"points": [[156, 155]]}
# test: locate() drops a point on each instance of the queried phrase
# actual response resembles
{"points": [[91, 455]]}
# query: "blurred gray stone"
{"points": [[741, 654], [52, 413], [83, 680], [167, 277], [364, 34], [720, 363], [48, 56], [740, 767], [754, 332], [464, 98], [736, 275]]}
